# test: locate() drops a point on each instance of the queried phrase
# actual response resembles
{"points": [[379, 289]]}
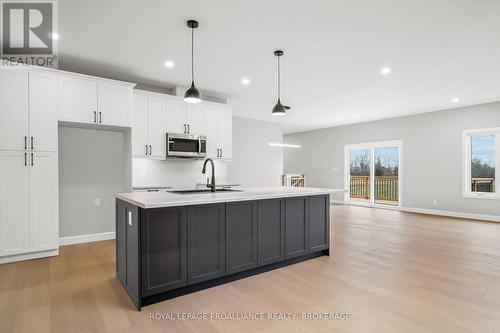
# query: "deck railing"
{"points": [[386, 187], [483, 185]]}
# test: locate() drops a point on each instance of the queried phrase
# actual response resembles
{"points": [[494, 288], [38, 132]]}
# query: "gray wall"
{"points": [[92, 164], [432, 155], [254, 162]]}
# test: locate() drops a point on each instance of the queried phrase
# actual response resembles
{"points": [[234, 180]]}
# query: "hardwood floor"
{"points": [[392, 271]]}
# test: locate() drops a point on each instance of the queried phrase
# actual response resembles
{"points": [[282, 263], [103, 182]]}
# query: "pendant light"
{"points": [[192, 95], [279, 109]]}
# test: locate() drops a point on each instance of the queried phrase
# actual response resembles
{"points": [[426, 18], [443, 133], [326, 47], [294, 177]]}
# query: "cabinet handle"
{"points": [[100, 117], [217, 152], [221, 152], [25, 159], [31, 143], [32, 159], [189, 129], [95, 117], [185, 129], [25, 142], [150, 150], [146, 149]]}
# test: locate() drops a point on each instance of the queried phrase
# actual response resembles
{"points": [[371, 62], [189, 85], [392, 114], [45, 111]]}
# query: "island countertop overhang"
{"points": [[148, 200]]}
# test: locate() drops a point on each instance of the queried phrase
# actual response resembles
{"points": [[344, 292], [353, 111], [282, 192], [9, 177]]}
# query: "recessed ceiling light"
{"points": [[245, 81], [385, 70], [287, 145], [455, 100], [169, 64]]}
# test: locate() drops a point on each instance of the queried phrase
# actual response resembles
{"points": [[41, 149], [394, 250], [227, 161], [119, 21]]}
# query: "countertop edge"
{"points": [[223, 200]]}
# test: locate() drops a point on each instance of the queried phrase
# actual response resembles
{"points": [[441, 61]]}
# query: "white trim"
{"points": [[29, 256], [86, 238], [466, 162], [447, 213], [372, 146]]}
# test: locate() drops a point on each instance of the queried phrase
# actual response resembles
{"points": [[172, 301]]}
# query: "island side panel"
{"points": [[127, 249]]}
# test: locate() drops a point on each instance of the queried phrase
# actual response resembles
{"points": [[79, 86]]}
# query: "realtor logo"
{"points": [[28, 32]]}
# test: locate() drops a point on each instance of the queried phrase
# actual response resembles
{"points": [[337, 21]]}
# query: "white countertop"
{"points": [[166, 199]]}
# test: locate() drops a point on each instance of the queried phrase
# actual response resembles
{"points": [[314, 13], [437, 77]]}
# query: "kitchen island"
{"points": [[170, 244]]}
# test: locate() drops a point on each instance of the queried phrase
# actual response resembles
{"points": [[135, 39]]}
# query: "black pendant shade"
{"points": [[192, 95], [279, 109]]}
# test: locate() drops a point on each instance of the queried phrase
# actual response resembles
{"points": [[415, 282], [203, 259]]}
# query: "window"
{"points": [[373, 173], [482, 153]]}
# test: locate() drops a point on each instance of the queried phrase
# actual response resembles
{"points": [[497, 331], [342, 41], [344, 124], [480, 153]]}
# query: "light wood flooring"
{"points": [[392, 271]]}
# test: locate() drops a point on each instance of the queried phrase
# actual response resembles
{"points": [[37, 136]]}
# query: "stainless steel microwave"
{"points": [[186, 145]]}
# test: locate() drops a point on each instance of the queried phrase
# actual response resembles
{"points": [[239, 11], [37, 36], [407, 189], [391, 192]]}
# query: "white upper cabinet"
{"points": [[91, 100], [44, 211], [139, 125], [149, 125], [157, 134], [176, 116], [226, 133], [77, 99], [42, 111], [114, 104], [218, 129], [195, 119], [212, 131], [13, 108], [14, 202]]}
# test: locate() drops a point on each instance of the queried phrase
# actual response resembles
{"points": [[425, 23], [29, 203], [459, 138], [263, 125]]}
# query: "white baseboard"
{"points": [[86, 238], [447, 213], [461, 215], [29, 256]]}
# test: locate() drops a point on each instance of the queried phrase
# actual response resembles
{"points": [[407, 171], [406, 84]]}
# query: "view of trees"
{"points": [[386, 162], [480, 169], [360, 163]]}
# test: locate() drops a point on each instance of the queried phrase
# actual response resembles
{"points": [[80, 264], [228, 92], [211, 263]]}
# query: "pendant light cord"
{"points": [[192, 54], [279, 79]]}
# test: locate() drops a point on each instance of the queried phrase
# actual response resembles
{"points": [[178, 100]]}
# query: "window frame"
{"points": [[467, 159]]}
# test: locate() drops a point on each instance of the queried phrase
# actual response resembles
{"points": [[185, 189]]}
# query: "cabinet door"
{"points": [[14, 203], [77, 98], [271, 217], [318, 212], [212, 131], [157, 132], [114, 104], [43, 111], [164, 237], [139, 125], [195, 118], [296, 229], [226, 133], [241, 236], [176, 116], [44, 202], [206, 242], [13, 108]]}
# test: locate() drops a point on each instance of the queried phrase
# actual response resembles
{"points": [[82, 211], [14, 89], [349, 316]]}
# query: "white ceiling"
{"points": [[437, 49]]}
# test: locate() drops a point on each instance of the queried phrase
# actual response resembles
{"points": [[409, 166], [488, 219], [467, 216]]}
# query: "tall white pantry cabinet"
{"points": [[29, 213]]}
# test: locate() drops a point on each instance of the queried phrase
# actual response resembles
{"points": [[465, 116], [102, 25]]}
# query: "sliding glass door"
{"points": [[373, 174]]}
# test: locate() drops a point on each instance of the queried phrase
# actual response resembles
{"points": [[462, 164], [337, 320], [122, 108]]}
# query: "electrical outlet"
{"points": [[97, 202], [435, 202]]}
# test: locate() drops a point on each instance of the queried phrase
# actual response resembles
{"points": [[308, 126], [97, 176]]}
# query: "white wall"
{"points": [[254, 162], [92, 164], [432, 155]]}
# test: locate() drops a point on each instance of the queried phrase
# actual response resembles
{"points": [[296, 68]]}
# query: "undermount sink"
{"points": [[204, 190]]}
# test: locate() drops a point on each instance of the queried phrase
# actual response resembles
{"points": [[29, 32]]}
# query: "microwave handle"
{"points": [[199, 145]]}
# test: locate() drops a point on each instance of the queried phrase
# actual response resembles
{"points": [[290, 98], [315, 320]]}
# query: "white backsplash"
{"points": [[175, 172]]}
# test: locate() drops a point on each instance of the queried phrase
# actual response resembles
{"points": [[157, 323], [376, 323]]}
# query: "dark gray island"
{"points": [[171, 244]]}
